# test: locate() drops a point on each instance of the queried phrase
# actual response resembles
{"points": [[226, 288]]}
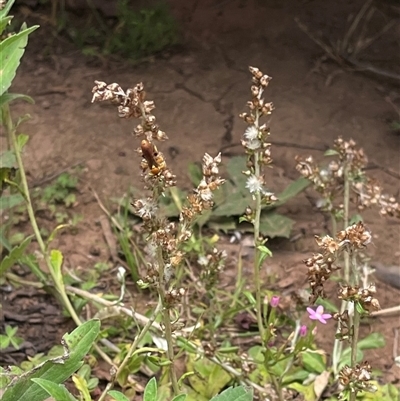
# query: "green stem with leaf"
{"points": [[13, 141]]}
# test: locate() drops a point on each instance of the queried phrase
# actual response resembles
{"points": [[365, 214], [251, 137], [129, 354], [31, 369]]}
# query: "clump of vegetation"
{"points": [[136, 33], [193, 317]]}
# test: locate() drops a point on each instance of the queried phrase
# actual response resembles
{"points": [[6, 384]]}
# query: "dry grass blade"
{"points": [[328, 50], [353, 27]]}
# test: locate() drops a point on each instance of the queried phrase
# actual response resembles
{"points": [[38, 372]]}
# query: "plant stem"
{"points": [[167, 322], [354, 341], [277, 387], [12, 138], [338, 345], [133, 348], [346, 221], [257, 254], [334, 224], [170, 351]]}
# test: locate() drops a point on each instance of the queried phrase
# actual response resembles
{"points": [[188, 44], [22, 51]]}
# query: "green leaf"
{"points": [[16, 342], [56, 259], [10, 331], [7, 159], [295, 375], [15, 254], [10, 201], [331, 152], [345, 358], [313, 362], [57, 391], [240, 393], [307, 391], [293, 189], [195, 173], [6, 98], [150, 392], [355, 219], [236, 165], [210, 378], [264, 253], [3, 23], [117, 395], [4, 341], [274, 225], [233, 203], [4, 12], [11, 50], [181, 397], [168, 206], [22, 140], [56, 370], [223, 224], [372, 341]]}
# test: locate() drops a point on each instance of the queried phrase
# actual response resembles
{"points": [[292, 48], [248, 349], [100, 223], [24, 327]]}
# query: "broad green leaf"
{"points": [[372, 341], [295, 375], [210, 378], [203, 218], [240, 393], [223, 224], [15, 254], [117, 395], [11, 50], [236, 165], [6, 98], [192, 395], [57, 391], [293, 189], [313, 362], [4, 12], [150, 392], [274, 225], [55, 370], [233, 202], [307, 391], [7, 159]]}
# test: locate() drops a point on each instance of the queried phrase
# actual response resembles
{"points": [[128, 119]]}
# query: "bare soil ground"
{"points": [[199, 91]]}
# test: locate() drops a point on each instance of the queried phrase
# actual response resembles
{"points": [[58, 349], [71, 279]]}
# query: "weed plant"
{"points": [[136, 34], [192, 322]]}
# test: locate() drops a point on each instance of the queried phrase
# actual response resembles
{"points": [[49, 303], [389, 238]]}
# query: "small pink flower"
{"points": [[303, 331], [318, 314], [275, 301]]}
